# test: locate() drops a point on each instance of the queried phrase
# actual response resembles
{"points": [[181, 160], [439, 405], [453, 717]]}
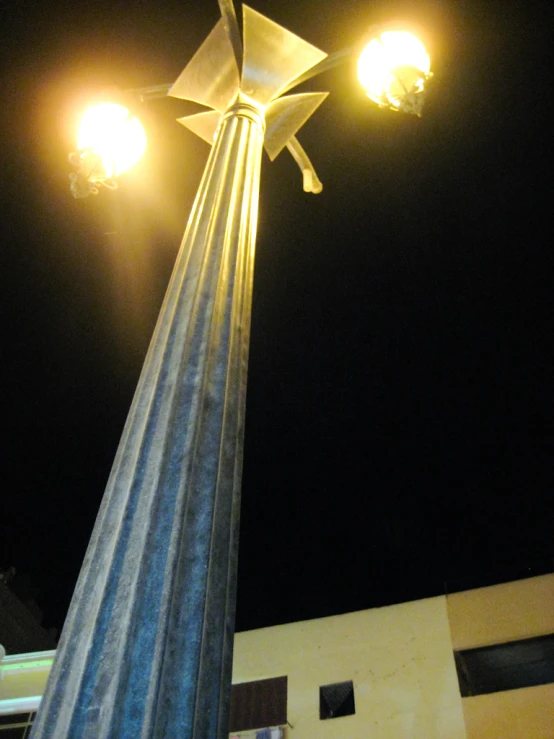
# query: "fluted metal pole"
{"points": [[146, 650]]}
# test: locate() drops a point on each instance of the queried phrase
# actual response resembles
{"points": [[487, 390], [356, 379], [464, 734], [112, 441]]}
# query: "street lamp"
{"points": [[110, 142], [146, 650], [394, 68]]}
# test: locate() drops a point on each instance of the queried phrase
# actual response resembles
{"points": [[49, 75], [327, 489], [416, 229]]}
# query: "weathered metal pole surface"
{"points": [[146, 648]]}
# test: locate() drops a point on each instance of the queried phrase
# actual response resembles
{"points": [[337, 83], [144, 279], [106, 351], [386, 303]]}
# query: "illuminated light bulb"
{"points": [[116, 139], [393, 69]]}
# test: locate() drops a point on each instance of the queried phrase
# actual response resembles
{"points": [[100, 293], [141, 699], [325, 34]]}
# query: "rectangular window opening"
{"points": [[336, 700], [258, 704], [517, 664]]}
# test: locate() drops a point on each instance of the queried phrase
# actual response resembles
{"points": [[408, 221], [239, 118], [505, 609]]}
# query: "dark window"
{"points": [[336, 700], [16, 725], [258, 704], [517, 664], [15, 718], [12, 732]]}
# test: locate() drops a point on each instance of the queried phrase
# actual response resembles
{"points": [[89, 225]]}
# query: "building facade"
{"points": [[472, 665]]}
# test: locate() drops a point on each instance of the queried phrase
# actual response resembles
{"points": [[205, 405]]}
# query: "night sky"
{"points": [[400, 420]]}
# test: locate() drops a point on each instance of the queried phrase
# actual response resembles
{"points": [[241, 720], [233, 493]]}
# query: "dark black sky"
{"points": [[400, 423]]}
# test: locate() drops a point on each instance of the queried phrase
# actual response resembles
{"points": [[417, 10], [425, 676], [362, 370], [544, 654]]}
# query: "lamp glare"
{"points": [[117, 138], [392, 66]]}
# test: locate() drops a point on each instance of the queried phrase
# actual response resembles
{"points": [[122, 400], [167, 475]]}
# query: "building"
{"points": [[21, 627], [477, 664]]}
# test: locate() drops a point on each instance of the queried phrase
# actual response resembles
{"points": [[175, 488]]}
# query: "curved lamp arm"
{"points": [[312, 183]]}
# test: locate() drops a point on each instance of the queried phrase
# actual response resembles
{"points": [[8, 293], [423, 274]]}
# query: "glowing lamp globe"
{"points": [[393, 69], [111, 140]]}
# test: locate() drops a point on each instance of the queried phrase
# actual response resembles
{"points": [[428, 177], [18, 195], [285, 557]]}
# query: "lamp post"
{"points": [[146, 650]]}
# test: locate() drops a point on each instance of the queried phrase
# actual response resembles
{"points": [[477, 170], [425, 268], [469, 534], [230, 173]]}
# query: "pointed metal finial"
{"points": [[285, 116], [211, 77], [202, 124], [270, 59], [273, 57], [229, 16]]}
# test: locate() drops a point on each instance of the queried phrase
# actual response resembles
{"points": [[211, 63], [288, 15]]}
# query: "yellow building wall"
{"points": [[527, 713], [22, 681], [399, 658], [27, 684], [494, 615], [501, 613]]}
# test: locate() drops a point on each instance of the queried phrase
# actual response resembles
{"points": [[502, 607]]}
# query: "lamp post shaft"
{"points": [[146, 650]]}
